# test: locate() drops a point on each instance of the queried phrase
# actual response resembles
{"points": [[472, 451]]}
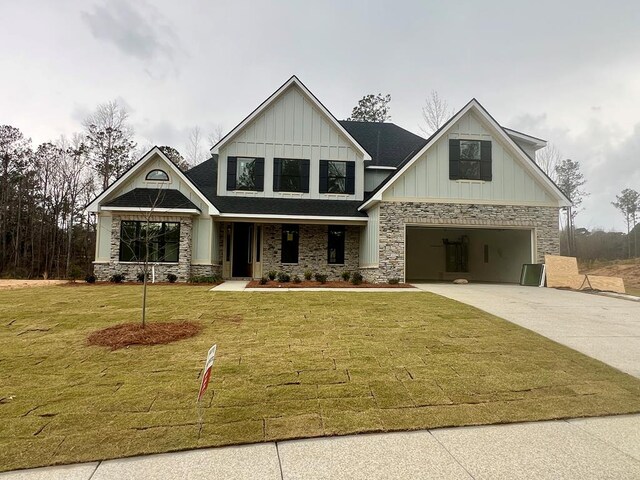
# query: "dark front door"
{"points": [[242, 262]]}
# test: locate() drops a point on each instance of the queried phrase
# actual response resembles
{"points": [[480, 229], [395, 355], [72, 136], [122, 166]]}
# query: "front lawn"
{"points": [[288, 365]]}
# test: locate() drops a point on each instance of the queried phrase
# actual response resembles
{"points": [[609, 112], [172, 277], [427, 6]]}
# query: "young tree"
{"points": [[372, 108], [571, 180], [628, 202], [110, 140], [548, 159], [435, 113]]}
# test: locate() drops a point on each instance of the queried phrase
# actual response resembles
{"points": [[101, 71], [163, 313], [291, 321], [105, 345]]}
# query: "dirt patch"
{"points": [[312, 284], [10, 284], [127, 334], [628, 270]]}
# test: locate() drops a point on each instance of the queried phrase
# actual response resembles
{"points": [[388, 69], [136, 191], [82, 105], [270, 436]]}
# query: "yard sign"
{"points": [[206, 375]]}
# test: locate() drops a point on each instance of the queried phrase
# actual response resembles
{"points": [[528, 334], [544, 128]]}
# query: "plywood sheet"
{"points": [[565, 280], [557, 264], [605, 284]]}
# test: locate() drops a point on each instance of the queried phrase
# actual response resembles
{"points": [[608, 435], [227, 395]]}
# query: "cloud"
{"points": [[137, 30]]}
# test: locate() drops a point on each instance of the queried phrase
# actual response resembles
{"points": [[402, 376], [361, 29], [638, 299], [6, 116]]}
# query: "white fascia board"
{"points": [[264, 105], [94, 206], [538, 142], [475, 105], [377, 167], [312, 218], [152, 209]]}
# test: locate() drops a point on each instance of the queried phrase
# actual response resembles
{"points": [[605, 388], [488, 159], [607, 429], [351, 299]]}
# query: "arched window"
{"points": [[157, 176]]}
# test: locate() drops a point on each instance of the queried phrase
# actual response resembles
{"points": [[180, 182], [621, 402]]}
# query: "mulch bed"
{"points": [[127, 334], [331, 284]]}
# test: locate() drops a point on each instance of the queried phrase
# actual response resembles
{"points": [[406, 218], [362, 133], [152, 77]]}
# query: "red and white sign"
{"points": [[206, 375]]}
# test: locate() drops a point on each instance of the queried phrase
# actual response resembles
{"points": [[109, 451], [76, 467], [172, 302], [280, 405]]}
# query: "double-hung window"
{"points": [[470, 160], [337, 177], [245, 174], [291, 175]]}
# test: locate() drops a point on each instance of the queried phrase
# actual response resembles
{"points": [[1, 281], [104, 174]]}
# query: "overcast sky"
{"points": [[565, 71]]}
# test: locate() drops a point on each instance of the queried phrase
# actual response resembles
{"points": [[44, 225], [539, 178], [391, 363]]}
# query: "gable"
{"points": [[135, 178], [291, 125], [479, 123]]}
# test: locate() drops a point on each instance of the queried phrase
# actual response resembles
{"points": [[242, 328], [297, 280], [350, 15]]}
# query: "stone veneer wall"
{"points": [[394, 216], [182, 269], [312, 251]]}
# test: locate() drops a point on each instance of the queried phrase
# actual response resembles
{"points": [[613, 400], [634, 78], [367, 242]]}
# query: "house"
{"points": [[291, 188]]}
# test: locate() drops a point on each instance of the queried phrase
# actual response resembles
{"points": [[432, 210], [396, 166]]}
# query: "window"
{"points": [[245, 173], [290, 175], [157, 176], [159, 240], [337, 177], [470, 160], [335, 245], [290, 239]]}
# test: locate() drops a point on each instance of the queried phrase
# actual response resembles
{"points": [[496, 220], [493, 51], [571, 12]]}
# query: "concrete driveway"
{"points": [[602, 327]]}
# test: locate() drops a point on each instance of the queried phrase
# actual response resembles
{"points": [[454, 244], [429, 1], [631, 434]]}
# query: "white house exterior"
{"points": [[293, 189]]}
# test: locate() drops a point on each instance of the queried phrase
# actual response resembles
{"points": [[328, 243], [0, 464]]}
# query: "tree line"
{"points": [[44, 189]]}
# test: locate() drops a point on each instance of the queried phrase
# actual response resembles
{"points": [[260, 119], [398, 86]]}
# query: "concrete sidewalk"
{"points": [[241, 286], [595, 448], [602, 327]]}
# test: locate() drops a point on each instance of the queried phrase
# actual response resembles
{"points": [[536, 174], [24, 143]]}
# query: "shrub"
{"points": [[205, 279], [296, 279], [272, 275], [308, 274], [171, 278], [117, 278], [394, 281], [140, 276], [356, 278], [321, 278], [90, 279], [346, 275], [74, 273], [264, 280], [283, 277]]}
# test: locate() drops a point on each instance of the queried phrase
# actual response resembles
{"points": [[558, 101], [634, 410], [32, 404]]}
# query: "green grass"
{"points": [[288, 365]]}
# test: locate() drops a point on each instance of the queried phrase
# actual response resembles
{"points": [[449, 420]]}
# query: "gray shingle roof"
{"points": [[152, 198], [387, 143]]}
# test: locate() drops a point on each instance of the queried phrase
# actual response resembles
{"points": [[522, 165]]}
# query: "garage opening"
{"points": [[480, 255]]}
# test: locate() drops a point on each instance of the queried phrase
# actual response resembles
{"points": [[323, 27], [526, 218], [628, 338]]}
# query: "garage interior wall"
{"points": [[507, 251]]}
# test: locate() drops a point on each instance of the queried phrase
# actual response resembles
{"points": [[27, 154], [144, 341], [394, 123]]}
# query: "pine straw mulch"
{"points": [[329, 284], [126, 334]]}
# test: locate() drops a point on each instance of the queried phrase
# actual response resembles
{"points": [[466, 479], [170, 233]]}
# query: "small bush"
{"points": [[264, 280], [117, 278], [205, 279], [394, 281], [356, 278], [74, 273], [308, 274], [283, 277], [321, 278], [272, 274], [171, 278], [140, 276], [346, 276], [296, 279], [90, 279]]}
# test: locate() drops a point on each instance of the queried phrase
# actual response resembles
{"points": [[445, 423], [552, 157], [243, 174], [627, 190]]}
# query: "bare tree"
{"points": [[216, 135], [435, 113], [110, 139], [194, 148], [548, 160]]}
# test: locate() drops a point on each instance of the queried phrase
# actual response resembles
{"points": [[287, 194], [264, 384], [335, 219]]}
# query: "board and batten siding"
{"points": [[291, 127], [428, 178], [369, 248]]}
